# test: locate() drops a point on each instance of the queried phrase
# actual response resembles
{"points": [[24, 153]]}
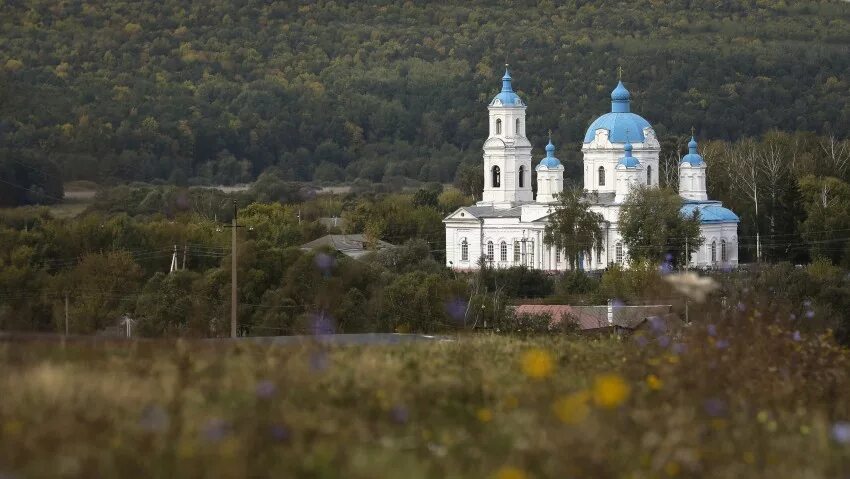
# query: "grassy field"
{"points": [[737, 398]]}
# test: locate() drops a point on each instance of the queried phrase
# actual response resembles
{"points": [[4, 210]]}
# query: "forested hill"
{"points": [[220, 90]]}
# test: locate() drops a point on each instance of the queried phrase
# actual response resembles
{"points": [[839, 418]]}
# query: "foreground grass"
{"points": [[736, 399]]}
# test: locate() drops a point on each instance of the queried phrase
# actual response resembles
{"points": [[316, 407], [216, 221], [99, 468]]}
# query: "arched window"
{"points": [[601, 176], [521, 175], [499, 126], [464, 250], [557, 255], [723, 251], [516, 133], [517, 252], [497, 177], [619, 253], [503, 251], [490, 251], [714, 251], [649, 175]]}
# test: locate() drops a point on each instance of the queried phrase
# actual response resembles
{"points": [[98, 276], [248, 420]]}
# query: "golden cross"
{"points": [[620, 72], [693, 131], [550, 135]]}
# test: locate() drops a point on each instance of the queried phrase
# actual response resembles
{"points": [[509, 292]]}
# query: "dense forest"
{"points": [[217, 92]]}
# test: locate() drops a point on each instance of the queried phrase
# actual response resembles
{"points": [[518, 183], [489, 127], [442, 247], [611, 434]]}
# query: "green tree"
{"points": [[827, 204], [573, 228], [653, 226]]}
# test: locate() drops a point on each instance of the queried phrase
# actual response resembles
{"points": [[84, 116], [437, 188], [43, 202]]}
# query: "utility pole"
{"points": [[233, 287], [185, 248]]}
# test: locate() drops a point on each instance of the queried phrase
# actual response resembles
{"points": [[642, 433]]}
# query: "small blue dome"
{"points": [[620, 94], [507, 96], [693, 158], [549, 161], [628, 160]]}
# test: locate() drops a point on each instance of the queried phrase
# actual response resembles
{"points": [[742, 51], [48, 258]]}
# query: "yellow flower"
{"points": [[672, 469], [610, 390], [653, 382], [508, 472], [510, 402], [573, 408], [484, 414], [537, 364]]}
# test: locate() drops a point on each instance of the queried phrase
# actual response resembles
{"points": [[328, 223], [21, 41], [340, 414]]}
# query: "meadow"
{"points": [[734, 394]]}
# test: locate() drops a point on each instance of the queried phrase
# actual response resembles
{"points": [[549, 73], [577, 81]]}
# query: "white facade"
{"points": [[620, 151]]}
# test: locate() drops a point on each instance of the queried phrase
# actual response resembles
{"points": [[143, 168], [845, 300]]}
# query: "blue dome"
{"points": [[620, 121], [710, 212], [507, 96], [620, 94], [628, 160], [550, 161], [693, 158]]}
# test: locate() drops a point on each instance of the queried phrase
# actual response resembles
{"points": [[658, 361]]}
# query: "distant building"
{"points": [[354, 246], [602, 318], [620, 151]]}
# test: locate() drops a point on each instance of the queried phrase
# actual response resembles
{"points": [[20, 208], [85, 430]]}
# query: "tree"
{"points": [[827, 204], [573, 228], [653, 226]]}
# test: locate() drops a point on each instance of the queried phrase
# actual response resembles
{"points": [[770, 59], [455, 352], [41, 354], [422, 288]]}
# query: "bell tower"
{"points": [[507, 152]]}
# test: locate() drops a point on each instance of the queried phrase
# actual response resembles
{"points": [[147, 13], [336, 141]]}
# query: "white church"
{"points": [[620, 150]]}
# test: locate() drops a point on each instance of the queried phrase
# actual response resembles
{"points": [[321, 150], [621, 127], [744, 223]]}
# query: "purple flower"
{"points": [[714, 407], [153, 419], [792, 317], [810, 314], [318, 361], [712, 330], [841, 432], [679, 348], [742, 307], [641, 340], [657, 324], [456, 309], [266, 389], [796, 336], [215, 430], [321, 324], [721, 344], [663, 341], [324, 262], [279, 432], [400, 414]]}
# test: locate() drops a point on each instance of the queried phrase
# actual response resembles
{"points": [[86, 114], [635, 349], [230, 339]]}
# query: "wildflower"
{"points": [[796, 336], [714, 407], [610, 390], [654, 382], [810, 314], [400, 414], [672, 469], [657, 324], [742, 307], [510, 402], [537, 364], [721, 344], [508, 472], [664, 341], [792, 317], [279, 433], [841, 432], [641, 340], [572, 408], [266, 389], [692, 285], [712, 330], [214, 430], [484, 415], [153, 419], [679, 348]]}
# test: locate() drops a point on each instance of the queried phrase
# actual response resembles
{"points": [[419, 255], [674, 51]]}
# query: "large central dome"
{"points": [[623, 126]]}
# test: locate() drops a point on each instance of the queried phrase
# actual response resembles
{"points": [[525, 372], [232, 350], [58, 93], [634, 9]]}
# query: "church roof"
{"points": [[693, 158], [620, 121], [507, 97], [710, 212], [549, 161]]}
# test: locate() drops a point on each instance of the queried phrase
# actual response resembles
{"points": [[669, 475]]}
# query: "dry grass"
{"points": [[743, 398]]}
